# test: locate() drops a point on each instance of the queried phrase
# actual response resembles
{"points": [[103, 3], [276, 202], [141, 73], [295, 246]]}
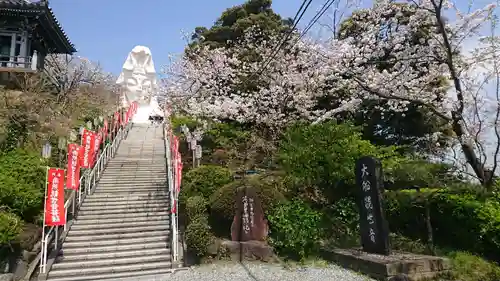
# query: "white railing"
{"points": [[29, 63], [51, 235], [173, 202]]}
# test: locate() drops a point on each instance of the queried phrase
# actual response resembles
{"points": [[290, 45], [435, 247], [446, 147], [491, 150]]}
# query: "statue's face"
{"points": [[138, 84]]}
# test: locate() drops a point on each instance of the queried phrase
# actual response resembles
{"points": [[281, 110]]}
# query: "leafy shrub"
{"points": [[467, 267], [460, 221], [342, 222], [178, 120], [222, 201], [23, 185], [196, 206], [225, 136], [324, 156], [10, 227], [295, 229], [204, 180], [198, 236]]}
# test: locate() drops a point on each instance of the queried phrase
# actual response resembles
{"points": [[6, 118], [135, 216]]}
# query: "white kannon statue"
{"points": [[139, 83]]}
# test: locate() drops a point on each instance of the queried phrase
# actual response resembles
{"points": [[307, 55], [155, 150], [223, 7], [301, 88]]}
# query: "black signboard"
{"points": [[373, 226]]}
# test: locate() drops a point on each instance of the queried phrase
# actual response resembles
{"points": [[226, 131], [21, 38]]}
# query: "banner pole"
{"points": [[43, 259]]}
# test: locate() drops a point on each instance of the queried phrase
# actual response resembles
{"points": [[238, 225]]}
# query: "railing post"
{"points": [[56, 237]]}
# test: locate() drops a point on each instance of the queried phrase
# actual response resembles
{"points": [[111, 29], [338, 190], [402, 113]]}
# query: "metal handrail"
{"points": [[174, 221], [87, 186]]}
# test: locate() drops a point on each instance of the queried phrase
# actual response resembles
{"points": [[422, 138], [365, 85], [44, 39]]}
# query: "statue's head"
{"points": [[138, 75]]}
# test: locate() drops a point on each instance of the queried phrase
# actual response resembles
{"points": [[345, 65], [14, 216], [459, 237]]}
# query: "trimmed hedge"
{"points": [[22, 183], [198, 236], [223, 206], [196, 206], [222, 202], [204, 181], [461, 221], [296, 229], [10, 228]]}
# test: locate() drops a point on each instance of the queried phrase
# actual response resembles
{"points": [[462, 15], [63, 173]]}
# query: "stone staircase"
{"points": [[123, 228]]}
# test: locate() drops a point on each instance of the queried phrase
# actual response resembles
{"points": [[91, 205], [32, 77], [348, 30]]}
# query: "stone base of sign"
{"points": [[245, 251], [391, 268]]}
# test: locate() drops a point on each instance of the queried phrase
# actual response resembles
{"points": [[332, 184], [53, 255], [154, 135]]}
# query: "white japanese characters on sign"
{"points": [[366, 187], [246, 217], [54, 199]]}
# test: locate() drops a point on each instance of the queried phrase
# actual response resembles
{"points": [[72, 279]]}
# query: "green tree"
{"points": [[233, 22], [380, 125]]}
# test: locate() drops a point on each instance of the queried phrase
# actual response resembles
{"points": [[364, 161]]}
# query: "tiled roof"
{"points": [[30, 6]]}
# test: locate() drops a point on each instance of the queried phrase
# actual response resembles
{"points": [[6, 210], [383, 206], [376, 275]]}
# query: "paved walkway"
{"points": [[256, 272]]}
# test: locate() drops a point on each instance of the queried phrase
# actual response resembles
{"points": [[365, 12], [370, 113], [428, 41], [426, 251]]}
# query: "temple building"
{"points": [[29, 31]]}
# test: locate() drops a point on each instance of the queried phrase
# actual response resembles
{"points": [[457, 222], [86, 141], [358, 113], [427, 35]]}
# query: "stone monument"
{"points": [[249, 229], [249, 223], [139, 83], [373, 225]]}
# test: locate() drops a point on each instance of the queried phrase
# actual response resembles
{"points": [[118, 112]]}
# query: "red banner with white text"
{"points": [[75, 153], [106, 129], [88, 144], [97, 144], [116, 120], [54, 203]]}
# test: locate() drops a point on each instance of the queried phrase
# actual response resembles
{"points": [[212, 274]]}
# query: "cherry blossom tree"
{"points": [[67, 73], [225, 83], [442, 55], [54, 102], [435, 72]]}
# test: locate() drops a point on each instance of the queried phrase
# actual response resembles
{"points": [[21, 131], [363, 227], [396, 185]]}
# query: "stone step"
{"points": [[117, 230], [138, 183], [125, 202], [95, 273], [135, 171], [84, 264], [121, 224], [121, 215], [112, 221], [134, 176], [143, 192], [128, 205], [131, 175], [123, 210], [113, 276], [112, 254], [120, 236], [98, 198], [139, 170], [153, 186], [101, 244]]}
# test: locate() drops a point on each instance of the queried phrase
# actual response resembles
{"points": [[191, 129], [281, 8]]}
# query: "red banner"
{"points": [[174, 208], [178, 174], [116, 120], [123, 117], [175, 144], [54, 203], [97, 144], [106, 129], [88, 144], [74, 159], [128, 115]]}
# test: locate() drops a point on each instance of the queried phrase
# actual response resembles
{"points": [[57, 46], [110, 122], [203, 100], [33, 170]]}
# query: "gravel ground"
{"points": [[256, 272]]}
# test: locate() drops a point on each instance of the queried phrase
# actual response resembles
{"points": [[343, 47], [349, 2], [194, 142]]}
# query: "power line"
{"points": [[318, 15], [296, 21]]}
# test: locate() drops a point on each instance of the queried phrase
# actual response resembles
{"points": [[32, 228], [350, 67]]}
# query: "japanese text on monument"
{"points": [[366, 186]]}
